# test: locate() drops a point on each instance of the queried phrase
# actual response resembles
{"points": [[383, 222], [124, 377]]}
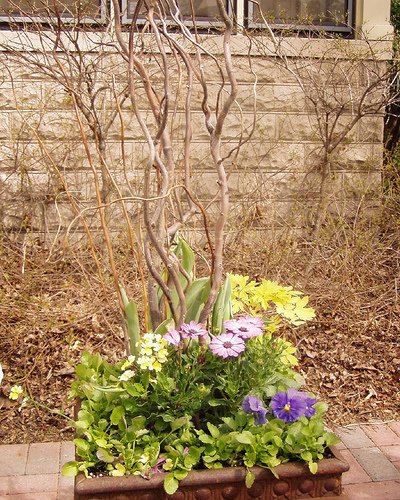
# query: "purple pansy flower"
{"points": [[253, 405], [289, 406], [227, 345], [246, 326], [310, 402], [173, 337], [192, 330]]}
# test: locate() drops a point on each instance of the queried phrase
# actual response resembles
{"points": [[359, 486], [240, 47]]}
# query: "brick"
{"points": [[13, 459], [381, 435], [377, 466], [28, 484], [65, 489], [66, 484], [385, 490], [43, 458], [48, 495], [356, 474], [395, 427], [392, 452], [353, 437]]}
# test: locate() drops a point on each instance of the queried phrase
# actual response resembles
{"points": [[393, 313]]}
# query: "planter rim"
{"points": [[106, 484]]}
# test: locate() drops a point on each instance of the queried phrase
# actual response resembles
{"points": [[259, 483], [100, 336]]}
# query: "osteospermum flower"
{"points": [[227, 345], [192, 330], [173, 337], [253, 405], [15, 392], [246, 326], [289, 406]]}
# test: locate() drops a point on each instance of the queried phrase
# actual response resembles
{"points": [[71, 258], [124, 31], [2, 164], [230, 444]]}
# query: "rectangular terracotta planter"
{"points": [[295, 482]]}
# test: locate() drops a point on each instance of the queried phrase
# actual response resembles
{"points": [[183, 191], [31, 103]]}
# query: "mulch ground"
{"points": [[53, 308]]}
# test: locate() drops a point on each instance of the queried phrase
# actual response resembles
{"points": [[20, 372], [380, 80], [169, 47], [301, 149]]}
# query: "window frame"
{"points": [[345, 29], [104, 5]]}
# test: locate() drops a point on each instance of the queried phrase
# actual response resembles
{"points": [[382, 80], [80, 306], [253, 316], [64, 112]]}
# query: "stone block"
{"points": [[370, 129], [43, 458], [382, 490], [353, 437], [358, 156], [13, 459], [28, 484], [356, 474], [365, 184], [381, 434], [5, 127], [297, 128], [374, 462]]}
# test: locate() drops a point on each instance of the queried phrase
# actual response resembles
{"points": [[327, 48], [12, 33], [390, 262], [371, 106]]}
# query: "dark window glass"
{"points": [[302, 12], [66, 8], [204, 10]]}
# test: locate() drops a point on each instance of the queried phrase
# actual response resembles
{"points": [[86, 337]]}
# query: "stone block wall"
{"points": [[274, 180]]}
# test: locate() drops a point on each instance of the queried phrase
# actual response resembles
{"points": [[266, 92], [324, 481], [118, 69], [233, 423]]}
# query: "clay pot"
{"points": [[295, 481]]}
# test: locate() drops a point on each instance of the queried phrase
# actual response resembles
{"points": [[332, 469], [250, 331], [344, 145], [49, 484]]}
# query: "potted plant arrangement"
{"points": [[205, 410]]}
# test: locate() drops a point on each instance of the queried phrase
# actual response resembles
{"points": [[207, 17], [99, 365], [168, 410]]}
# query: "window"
{"points": [[205, 11], [332, 15], [35, 9]]}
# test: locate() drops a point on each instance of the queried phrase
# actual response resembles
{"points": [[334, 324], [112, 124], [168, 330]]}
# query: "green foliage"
{"points": [[179, 402], [188, 415], [395, 15]]}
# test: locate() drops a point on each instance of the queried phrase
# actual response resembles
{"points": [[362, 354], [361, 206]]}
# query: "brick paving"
{"points": [[32, 472]]}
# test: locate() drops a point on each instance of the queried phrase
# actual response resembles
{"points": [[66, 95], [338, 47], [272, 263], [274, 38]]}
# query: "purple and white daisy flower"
{"points": [[173, 337], [253, 405], [289, 406], [227, 345], [246, 326], [192, 330]]}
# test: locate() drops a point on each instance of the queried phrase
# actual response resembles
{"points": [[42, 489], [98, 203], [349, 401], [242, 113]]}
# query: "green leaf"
{"points": [[222, 309], [116, 415], [250, 477], [132, 323], [171, 484], [180, 474], [306, 456], [196, 297], [213, 430], [81, 444], [245, 437], [103, 455], [215, 402], [119, 471], [70, 469], [178, 423], [206, 439], [185, 252], [138, 423], [101, 443], [124, 296], [313, 466], [165, 326]]}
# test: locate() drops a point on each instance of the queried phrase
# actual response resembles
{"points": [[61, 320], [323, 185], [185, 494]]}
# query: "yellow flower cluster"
{"points": [[153, 352]]}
